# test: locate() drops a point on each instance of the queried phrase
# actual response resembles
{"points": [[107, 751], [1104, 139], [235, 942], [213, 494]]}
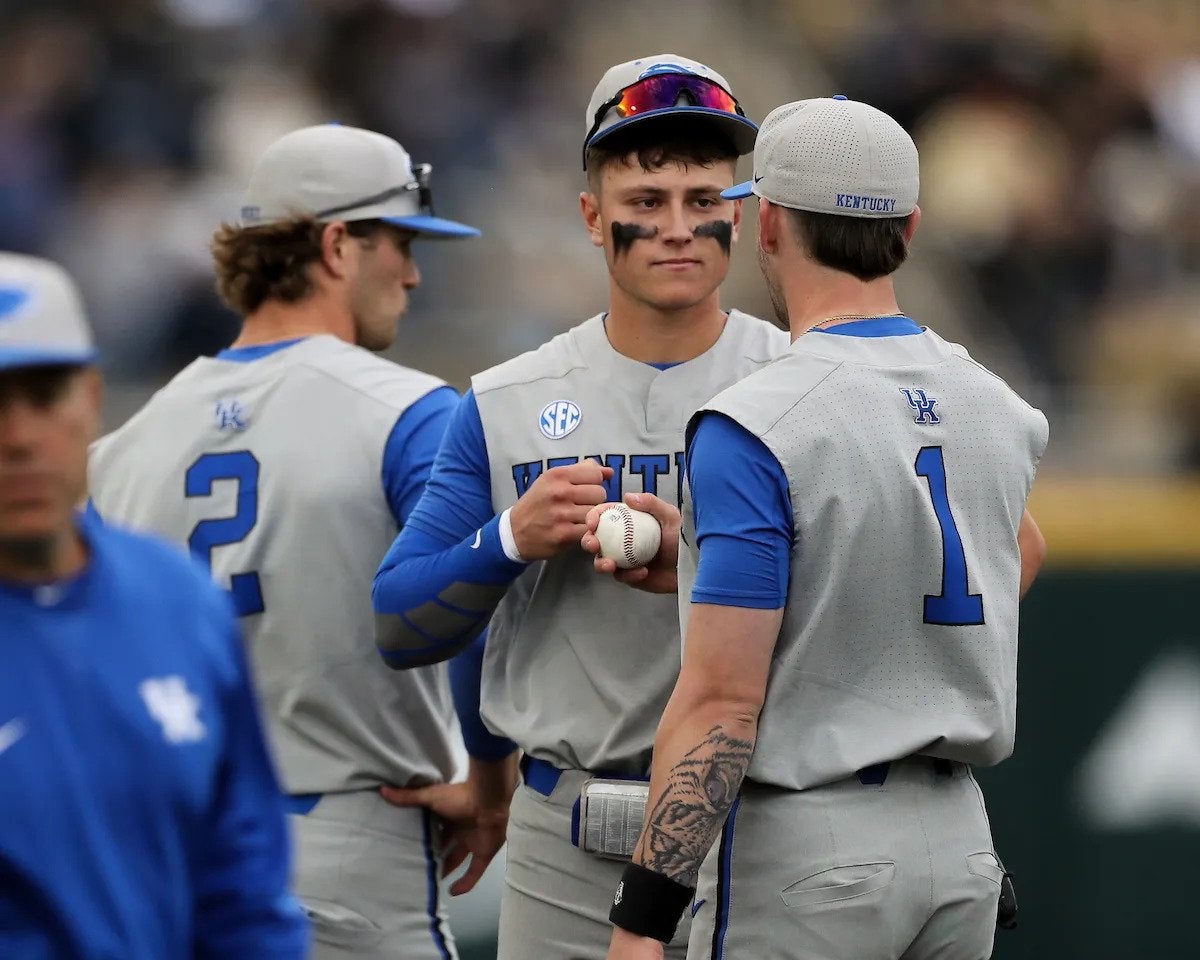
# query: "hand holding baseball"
{"points": [[550, 516], [651, 571]]}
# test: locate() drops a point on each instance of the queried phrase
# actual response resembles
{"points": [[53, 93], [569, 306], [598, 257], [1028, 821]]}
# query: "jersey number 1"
{"points": [[241, 466], [954, 606]]}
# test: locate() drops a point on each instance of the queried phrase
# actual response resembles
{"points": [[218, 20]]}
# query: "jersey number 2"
{"points": [[241, 466], [954, 606]]}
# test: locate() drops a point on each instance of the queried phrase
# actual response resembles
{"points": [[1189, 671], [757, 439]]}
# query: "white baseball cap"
{"points": [[655, 86], [833, 155], [42, 322], [333, 172]]}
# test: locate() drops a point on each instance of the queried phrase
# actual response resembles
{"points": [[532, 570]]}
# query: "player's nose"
{"points": [[677, 229], [411, 275], [19, 428]]}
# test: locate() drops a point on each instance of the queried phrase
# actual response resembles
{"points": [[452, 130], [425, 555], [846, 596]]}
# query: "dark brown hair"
{"points": [[271, 262], [868, 248], [653, 145]]}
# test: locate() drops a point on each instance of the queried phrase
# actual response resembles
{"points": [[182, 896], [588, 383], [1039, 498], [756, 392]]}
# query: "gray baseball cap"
{"points": [[42, 322], [833, 155], [710, 98], [334, 172]]}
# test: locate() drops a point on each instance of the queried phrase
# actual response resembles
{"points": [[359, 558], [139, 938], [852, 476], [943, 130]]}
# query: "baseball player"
{"points": [[287, 463], [140, 817], [576, 669], [855, 544]]}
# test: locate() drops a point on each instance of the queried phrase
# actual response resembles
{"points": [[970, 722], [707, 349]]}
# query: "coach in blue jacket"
{"points": [[139, 815]]}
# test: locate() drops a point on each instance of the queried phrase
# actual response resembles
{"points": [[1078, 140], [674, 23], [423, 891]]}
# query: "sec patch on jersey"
{"points": [[559, 419]]}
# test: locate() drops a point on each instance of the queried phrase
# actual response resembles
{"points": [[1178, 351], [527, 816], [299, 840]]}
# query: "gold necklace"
{"points": [[845, 317]]}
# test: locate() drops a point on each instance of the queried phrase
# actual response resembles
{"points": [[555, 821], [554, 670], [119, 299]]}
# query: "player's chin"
{"points": [[681, 295], [31, 521], [379, 335]]}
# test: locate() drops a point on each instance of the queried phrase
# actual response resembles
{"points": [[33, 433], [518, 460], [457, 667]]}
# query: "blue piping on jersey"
{"points": [[256, 352], [435, 925], [724, 869], [897, 326]]}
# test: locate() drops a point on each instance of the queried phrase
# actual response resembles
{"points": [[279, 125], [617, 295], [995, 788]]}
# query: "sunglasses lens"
{"points": [[665, 90]]}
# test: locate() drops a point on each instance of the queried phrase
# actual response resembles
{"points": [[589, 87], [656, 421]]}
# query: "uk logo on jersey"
{"points": [[558, 419], [175, 707], [922, 404], [231, 415]]}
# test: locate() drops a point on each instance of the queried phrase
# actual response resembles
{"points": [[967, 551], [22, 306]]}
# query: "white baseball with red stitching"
{"points": [[627, 536]]}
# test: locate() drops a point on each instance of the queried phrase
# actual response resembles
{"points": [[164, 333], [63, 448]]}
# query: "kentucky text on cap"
{"points": [[833, 155], [333, 172], [42, 322]]}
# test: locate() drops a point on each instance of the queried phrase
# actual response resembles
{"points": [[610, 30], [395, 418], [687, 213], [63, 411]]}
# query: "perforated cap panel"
{"points": [[836, 156]]}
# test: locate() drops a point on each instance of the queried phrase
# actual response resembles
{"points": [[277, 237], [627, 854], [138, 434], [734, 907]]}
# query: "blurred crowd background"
{"points": [[1060, 146]]}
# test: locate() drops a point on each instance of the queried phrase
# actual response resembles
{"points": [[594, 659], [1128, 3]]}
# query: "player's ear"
{"points": [[737, 220], [770, 223], [911, 224], [335, 248], [589, 208]]}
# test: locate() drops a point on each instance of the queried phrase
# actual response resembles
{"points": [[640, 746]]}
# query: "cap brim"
{"points": [[739, 191], [14, 358], [433, 227], [742, 130]]}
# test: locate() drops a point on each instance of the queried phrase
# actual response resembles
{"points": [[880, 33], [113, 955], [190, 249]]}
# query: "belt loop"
{"points": [[301, 803], [539, 776]]}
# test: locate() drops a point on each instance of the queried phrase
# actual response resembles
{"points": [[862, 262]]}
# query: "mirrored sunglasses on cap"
{"points": [[662, 91], [419, 183]]}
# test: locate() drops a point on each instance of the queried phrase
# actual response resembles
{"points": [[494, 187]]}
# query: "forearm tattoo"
{"points": [[686, 819]]}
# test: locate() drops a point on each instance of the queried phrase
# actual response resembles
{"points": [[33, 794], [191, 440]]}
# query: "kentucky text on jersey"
{"points": [[649, 466], [854, 201]]}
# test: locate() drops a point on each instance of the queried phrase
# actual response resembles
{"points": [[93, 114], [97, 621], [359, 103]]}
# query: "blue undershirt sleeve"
{"points": [[446, 571], [411, 448], [466, 673], [743, 516]]}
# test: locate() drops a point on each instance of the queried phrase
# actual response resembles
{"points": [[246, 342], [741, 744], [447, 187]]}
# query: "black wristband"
{"points": [[649, 904]]}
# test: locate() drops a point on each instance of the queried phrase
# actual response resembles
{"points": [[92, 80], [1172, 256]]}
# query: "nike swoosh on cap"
{"points": [[12, 299], [11, 732], [478, 539]]}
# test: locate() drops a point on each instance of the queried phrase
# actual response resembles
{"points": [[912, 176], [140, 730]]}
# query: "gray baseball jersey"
{"points": [[908, 466], [579, 667], [273, 469]]}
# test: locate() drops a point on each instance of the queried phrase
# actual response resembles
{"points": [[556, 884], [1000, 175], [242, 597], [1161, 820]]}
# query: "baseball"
{"points": [[628, 537]]}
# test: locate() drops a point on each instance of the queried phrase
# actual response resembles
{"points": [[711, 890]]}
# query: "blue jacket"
{"points": [[140, 818]]}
